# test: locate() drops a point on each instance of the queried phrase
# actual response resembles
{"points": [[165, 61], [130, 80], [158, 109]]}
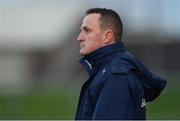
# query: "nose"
{"points": [[80, 37]]}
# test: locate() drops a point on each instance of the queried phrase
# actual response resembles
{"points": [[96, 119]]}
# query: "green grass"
{"points": [[39, 105], [166, 106], [62, 105]]}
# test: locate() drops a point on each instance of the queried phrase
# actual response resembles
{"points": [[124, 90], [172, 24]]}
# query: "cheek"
{"points": [[94, 42], [94, 39]]}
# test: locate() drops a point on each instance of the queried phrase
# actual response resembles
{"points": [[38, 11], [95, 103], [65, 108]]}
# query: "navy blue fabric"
{"points": [[118, 86]]}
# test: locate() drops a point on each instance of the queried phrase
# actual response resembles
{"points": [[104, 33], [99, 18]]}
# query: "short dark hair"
{"points": [[109, 18]]}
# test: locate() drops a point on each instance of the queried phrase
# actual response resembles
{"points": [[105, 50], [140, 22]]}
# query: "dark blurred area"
{"points": [[39, 53]]}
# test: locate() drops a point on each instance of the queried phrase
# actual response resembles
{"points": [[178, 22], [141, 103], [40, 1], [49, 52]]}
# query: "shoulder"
{"points": [[116, 69], [120, 64]]}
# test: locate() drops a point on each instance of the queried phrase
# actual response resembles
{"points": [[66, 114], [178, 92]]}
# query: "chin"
{"points": [[82, 53]]}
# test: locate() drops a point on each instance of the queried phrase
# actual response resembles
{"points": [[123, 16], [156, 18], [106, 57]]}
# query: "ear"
{"points": [[108, 36]]}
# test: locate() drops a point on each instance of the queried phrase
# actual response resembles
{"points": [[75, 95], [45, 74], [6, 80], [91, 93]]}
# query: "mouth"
{"points": [[81, 46]]}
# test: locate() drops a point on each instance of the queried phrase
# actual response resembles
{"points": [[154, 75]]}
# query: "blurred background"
{"points": [[40, 77]]}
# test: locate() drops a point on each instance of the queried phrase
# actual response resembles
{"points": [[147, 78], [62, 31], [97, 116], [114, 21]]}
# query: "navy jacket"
{"points": [[118, 87]]}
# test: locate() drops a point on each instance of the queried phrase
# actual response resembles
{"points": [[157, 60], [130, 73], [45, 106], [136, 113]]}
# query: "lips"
{"points": [[81, 46]]}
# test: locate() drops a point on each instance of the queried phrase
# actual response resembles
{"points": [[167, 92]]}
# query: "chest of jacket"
{"points": [[92, 88]]}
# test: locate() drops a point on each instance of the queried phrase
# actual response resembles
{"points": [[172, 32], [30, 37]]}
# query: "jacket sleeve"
{"points": [[114, 101]]}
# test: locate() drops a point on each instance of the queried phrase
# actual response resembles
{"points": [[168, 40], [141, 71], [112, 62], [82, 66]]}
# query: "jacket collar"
{"points": [[93, 61]]}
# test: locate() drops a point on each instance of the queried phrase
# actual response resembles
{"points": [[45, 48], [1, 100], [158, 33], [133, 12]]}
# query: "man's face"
{"points": [[91, 36]]}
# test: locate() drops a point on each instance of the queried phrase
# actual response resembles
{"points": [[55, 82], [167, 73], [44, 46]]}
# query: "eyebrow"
{"points": [[85, 28]]}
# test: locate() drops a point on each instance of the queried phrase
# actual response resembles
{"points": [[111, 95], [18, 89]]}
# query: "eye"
{"points": [[86, 29]]}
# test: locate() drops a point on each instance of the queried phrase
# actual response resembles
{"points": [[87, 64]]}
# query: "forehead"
{"points": [[91, 20]]}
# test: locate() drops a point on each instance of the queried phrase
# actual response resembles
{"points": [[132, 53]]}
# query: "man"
{"points": [[119, 85]]}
